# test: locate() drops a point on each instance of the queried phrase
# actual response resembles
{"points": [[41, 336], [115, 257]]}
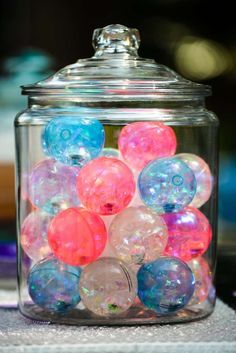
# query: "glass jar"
{"points": [[117, 191]]}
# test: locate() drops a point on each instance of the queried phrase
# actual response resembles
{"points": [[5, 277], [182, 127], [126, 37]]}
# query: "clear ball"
{"points": [[33, 235], [108, 287], [141, 142], [138, 235], [165, 285], [167, 185], [189, 233], [73, 141], [105, 185], [110, 152], [203, 278], [77, 236], [203, 177], [54, 286], [52, 186]]}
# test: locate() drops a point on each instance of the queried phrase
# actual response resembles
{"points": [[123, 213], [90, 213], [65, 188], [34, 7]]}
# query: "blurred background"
{"points": [[197, 38]]}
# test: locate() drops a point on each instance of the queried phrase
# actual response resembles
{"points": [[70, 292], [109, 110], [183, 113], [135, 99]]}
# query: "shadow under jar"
{"points": [[116, 191]]}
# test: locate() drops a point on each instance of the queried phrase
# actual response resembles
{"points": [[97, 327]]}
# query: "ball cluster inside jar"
{"points": [[111, 227]]}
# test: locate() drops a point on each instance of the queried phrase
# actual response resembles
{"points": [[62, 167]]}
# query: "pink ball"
{"points": [[203, 177], [33, 237], [141, 142], [77, 236], [189, 233], [105, 185], [203, 280]]}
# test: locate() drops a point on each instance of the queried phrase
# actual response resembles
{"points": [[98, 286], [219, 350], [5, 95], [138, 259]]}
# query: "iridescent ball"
{"points": [[74, 140], [105, 185], [33, 236], [138, 235], [52, 186], [203, 278], [54, 286], [189, 233], [167, 185], [165, 285], [203, 177], [141, 142], [77, 236], [108, 287], [110, 152]]}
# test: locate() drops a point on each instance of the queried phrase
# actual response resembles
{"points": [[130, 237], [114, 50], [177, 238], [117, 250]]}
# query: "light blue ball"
{"points": [[54, 286], [165, 285], [73, 140], [167, 185]]}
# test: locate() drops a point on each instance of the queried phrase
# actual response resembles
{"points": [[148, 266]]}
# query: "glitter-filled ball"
{"points": [[189, 233], [167, 185], [108, 287], [165, 285], [77, 236], [52, 186], [110, 152], [74, 140], [203, 177], [138, 235], [33, 236], [141, 142], [105, 185], [203, 278], [54, 286]]}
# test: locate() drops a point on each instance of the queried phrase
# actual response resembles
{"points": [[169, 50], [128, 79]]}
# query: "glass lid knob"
{"points": [[116, 39]]}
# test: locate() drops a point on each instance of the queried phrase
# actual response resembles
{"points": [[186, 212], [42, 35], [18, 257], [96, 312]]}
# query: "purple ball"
{"points": [[52, 186]]}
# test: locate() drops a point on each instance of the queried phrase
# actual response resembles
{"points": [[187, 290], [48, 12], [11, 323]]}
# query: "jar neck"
{"points": [[64, 102]]}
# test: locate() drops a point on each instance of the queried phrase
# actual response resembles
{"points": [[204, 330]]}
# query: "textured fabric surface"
{"points": [[217, 333]]}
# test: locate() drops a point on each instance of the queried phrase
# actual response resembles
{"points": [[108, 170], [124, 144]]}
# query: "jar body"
{"points": [[196, 131]]}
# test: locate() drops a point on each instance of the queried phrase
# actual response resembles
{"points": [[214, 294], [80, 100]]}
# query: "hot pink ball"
{"points": [[105, 185], [77, 236], [203, 177], [141, 142], [189, 233], [203, 280]]}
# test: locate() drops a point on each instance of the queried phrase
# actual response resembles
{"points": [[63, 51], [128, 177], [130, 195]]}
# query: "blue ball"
{"points": [[73, 140], [165, 285], [54, 286], [167, 185]]}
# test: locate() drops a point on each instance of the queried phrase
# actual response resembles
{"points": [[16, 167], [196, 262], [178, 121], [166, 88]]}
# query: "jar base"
{"points": [[136, 315]]}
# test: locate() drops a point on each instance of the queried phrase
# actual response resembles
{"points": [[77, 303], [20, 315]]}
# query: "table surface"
{"points": [[217, 333]]}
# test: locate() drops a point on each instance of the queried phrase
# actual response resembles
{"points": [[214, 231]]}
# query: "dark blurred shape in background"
{"points": [[197, 38]]}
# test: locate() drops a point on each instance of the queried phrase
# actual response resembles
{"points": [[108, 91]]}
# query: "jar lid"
{"points": [[117, 73]]}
